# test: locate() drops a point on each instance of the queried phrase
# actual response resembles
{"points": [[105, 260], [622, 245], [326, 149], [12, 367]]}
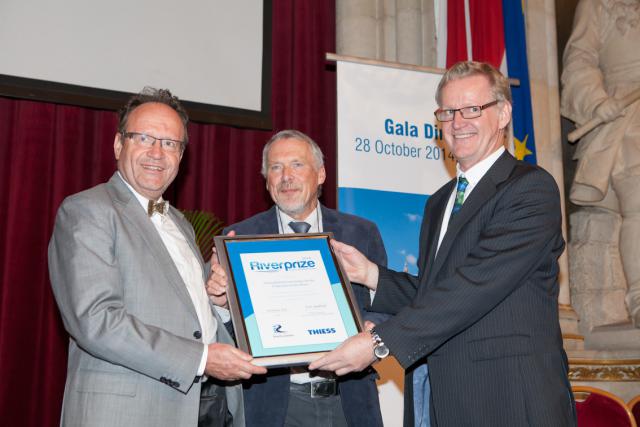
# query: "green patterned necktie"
{"points": [[462, 185]]}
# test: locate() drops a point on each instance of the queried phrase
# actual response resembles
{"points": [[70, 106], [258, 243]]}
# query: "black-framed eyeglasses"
{"points": [[145, 140], [470, 112]]}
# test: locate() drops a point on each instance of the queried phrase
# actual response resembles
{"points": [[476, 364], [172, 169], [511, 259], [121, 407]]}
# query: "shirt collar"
{"points": [[311, 219], [477, 171], [144, 202]]}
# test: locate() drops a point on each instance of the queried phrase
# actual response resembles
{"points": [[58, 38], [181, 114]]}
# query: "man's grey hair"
{"points": [[292, 134], [161, 96], [500, 87]]}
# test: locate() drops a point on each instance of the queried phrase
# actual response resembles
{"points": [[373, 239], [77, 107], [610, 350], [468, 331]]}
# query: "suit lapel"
{"points": [[439, 203], [131, 210], [269, 223], [330, 222], [484, 190]]}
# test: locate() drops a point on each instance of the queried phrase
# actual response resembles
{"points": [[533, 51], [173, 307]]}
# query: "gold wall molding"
{"points": [[572, 337], [604, 370]]}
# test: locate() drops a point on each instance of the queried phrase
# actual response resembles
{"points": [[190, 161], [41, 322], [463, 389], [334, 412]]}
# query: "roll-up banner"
{"points": [[391, 158], [391, 155]]}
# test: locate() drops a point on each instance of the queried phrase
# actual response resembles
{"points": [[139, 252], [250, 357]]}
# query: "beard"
{"points": [[292, 209], [296, 205]]}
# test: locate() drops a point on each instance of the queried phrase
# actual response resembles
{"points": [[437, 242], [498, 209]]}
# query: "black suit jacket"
{"points": [[484, 311], [266, 397]]}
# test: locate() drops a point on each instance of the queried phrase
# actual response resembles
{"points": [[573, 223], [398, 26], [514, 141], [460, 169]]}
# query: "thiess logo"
{"points": [[321, 331], [302, 264]]}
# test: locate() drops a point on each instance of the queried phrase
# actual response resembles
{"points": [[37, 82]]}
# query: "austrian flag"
{"points": [[491, 31]]}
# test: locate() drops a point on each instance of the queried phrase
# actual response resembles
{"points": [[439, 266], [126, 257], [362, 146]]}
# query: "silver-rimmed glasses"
{"points": [[170, 145]]}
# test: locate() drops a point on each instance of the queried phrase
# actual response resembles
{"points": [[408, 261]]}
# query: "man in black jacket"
{"points": [[483, 310]]}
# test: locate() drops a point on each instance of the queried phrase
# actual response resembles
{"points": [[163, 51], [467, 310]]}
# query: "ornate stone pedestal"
{"points": [[610, 358], [621, 336], [597, 281], [571, 337]]}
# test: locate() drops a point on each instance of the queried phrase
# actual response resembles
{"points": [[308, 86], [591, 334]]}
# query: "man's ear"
{"points": [[117, 145], [322, 175], [504, 116]]}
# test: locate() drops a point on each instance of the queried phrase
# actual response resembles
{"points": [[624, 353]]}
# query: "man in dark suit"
{"points": [[483, 310], [293, 166], [129, 281]]}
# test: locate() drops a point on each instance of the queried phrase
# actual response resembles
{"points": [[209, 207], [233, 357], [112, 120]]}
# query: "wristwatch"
{"points": [[380, 350]]}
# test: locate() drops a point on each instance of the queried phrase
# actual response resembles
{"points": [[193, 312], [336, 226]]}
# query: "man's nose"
{"points": [[458, 121], [156, 150], [457, 118], [287, 173]]}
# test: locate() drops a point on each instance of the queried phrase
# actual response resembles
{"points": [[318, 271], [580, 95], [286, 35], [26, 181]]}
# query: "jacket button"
{"points": [[197, 335]]}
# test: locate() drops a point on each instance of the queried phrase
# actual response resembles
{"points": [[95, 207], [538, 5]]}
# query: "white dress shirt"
{"points": [[314, 220], [300, 375], [190, 270], [473, 175]]}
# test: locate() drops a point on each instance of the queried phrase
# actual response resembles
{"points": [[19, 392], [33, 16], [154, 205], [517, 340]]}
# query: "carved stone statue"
{"points": [[602, 66]]}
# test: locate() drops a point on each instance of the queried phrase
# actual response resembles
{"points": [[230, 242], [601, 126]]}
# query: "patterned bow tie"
{"points": [[156, 207]]}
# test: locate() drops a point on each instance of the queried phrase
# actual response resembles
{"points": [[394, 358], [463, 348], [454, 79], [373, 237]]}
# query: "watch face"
{"points": [[381, 351]]}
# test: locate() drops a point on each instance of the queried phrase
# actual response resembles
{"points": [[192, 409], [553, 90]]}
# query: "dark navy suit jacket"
{"points": [[484, 311], [266, 398]]}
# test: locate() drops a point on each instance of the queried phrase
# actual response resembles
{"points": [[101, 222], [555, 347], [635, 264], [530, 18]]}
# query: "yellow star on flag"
{"points": [[520, 148]]}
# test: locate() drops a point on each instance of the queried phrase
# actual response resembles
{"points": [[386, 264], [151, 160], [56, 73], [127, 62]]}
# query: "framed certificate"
{"points": [[289, 299]]}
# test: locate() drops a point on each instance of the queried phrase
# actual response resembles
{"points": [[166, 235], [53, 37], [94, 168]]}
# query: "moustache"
{"points": [[288, 186]]}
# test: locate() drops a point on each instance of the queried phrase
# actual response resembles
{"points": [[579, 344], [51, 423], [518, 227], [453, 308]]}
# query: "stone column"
{"points": [[389, 30], [545, 99], [357, 28]]}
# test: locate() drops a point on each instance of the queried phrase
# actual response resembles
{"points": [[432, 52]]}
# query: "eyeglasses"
{"points": [[467, 112], [170, 145]]}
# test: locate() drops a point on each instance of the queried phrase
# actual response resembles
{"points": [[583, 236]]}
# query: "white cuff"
{"points": [[223, 313], [203, 361]]}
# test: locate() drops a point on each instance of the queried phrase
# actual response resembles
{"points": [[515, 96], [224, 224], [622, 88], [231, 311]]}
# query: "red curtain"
{"points": [[50, 151]]}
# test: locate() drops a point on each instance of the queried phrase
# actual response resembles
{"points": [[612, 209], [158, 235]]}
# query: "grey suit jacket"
{"points": [[133, 351], [484, 311]]}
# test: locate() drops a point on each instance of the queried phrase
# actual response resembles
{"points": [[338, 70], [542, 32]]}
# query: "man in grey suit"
{"points": [[293, 166], [130, 285], [483, 310]]}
